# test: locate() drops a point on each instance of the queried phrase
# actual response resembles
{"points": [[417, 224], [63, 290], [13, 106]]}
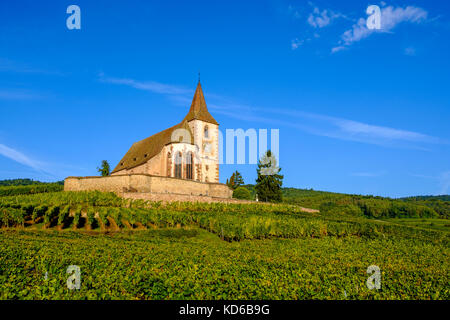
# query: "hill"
{"points": [[25, 182], [368, 206]]}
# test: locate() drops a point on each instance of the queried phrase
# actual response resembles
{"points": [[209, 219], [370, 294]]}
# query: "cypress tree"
{"points": [[269, 181]]}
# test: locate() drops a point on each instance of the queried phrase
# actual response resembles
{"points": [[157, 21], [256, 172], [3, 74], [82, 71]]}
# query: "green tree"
{"points": [[235, 180], [269, 181], [104, 169], [242, 193]]}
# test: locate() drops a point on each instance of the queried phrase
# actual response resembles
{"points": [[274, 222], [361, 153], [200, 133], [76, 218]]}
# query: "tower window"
{"points": [[206, 132]]}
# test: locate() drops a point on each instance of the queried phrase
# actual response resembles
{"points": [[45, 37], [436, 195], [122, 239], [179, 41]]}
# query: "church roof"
{"points": [[142, 151], [198, 110]]}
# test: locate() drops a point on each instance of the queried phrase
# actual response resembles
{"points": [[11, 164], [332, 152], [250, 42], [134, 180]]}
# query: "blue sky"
{"points": [[359, 111]]}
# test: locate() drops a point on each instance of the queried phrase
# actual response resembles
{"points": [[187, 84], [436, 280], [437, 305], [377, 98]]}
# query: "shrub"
{"points": [[242, 193]]}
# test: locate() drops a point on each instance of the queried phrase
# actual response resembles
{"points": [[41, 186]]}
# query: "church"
{"points": [[180, 163], [188, 150]]}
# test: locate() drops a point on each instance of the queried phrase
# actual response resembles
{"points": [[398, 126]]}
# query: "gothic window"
{"points": [[206, 132], [178, 164], [189, 165], [169, 167]]}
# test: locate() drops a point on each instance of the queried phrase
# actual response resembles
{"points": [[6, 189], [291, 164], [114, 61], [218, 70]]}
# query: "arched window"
{"points": [[189, 165], [169, 164], [206, 132], [178, 165]]}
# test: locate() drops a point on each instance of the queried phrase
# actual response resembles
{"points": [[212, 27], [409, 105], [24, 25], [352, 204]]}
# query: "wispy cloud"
{"points": [[20, 157], [445, 182], [321, 19], [7, 65], [18, 95], [442, 179], [390, 18], [41, 170], [345, 129], [332, 127], [410, 51], [317, 19], [296, 43], [151, 86], [369, 174], [316, 124], [364, 130]]}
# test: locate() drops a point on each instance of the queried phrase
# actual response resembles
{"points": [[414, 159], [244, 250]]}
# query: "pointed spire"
{"points": [[198, 110]]}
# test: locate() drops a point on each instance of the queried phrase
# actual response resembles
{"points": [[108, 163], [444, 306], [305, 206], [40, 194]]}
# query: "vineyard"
{"points": [[135, 249], [232, 222]]}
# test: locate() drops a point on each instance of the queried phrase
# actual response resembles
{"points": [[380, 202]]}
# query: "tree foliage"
{"points": [[269, 181], [242, 193], [235, 180], [25, 182], [104, 169]]}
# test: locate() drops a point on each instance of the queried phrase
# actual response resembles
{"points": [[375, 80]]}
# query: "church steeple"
{"points": [[198, 110]]}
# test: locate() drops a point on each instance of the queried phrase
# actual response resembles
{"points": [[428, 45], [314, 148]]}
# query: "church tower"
{"points": [[188, 150], [205, 130]]}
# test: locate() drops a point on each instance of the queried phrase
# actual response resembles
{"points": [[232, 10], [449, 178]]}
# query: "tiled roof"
{"points": [[198, 110], [142, 151]]}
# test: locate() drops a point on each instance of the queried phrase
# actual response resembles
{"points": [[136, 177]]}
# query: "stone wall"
{"points": [[144, 183], [170, 197]]}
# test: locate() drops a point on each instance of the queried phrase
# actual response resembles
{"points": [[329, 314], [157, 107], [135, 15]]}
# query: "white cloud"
{"points": [[390, 18], [368, 174], [445, 182], [18, 95], [151, 86], [354, 128], [320, 19], [332, 127], [410, 51], [317, 19], [296, 43], [321, 125], [19, 157], [7, 65], [338, 48], [39, 170], [443, 179]]}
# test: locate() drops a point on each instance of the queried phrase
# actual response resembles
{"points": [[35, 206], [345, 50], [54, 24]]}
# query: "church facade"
{"points": [[188, 150]]}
